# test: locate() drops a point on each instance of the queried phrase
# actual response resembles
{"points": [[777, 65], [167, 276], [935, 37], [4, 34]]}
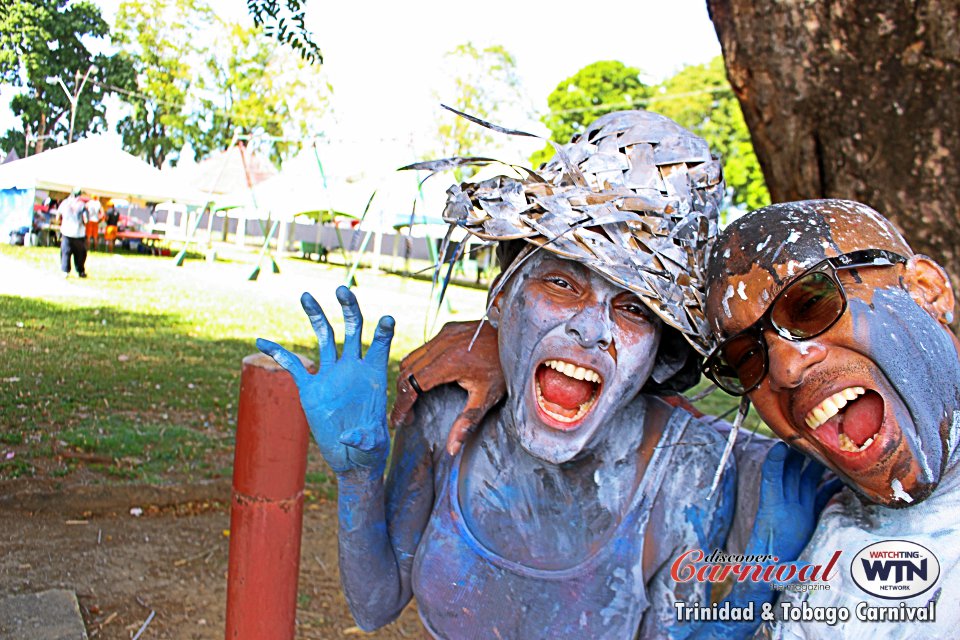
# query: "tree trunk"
{"points": [[845, 100]]}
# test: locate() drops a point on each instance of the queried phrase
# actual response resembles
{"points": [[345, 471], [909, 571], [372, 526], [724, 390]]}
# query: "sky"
{"points": [[384, 58]]}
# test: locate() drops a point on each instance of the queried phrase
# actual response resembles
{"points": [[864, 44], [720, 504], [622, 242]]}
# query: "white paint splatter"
{"points": [[609, 489], [763, 244], [899, 493], [726, 301], [954, 434], [741, 290], [793, 237]]}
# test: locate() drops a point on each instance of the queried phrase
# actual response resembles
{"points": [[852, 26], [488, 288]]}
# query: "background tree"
{"points": [[41, 40], [845, 99], [700, 98], [598, 88], [256, 86], [484, 83], [164, 42], [285, 22]]}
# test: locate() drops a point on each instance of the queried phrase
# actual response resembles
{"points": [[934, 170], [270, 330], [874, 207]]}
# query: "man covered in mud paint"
{"points": [[563, 515], [839, 334]]}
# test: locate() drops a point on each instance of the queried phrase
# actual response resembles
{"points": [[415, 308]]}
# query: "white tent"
{"points": [[224, 172], [302, 188], [97, 165]]}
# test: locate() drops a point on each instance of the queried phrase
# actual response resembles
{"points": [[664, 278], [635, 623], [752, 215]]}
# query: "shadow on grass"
{"points": [[133, 396]]}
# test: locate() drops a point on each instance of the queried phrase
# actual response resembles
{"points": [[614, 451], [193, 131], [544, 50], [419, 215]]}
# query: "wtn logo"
{"points": [[903, 569], [895, 569]]}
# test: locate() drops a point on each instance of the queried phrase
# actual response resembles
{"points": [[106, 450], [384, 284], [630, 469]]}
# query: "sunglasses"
{"points": [[805, 308]]}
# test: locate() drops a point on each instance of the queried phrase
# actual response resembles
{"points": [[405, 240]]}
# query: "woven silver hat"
{"points": [[635, 197]]}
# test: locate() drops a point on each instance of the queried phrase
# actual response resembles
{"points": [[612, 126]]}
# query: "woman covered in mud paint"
{"points": [[563, 514]]}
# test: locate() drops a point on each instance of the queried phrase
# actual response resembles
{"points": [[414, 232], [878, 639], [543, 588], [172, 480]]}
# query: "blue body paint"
{"points": [[911, 350], [518, 545]]}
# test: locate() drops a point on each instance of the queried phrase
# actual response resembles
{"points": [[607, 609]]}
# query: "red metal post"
{"points": [[266, 515]]}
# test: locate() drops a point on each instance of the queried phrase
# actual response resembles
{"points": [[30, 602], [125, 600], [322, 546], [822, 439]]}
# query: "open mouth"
{"points": [[849, 420], [566, 392]]}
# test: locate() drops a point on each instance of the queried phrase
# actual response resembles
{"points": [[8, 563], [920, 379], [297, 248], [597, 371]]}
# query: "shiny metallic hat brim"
{"points": [[635, 197]]}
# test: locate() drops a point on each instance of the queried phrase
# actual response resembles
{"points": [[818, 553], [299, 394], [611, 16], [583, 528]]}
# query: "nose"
{"points": [[590, 327], [790, 361]]}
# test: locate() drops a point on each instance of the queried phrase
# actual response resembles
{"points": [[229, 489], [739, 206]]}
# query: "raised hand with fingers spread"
{"points": [[345, 402]]}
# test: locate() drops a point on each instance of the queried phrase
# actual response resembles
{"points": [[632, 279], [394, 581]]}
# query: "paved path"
{"points": [[50, 615]]}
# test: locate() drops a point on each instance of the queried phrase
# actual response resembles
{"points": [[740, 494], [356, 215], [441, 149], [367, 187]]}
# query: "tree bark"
{"points": [[857, 100]]}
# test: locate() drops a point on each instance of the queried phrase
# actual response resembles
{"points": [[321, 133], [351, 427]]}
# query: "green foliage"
{"points": [[485, 84], [253, 85], [285, 23], [700, 98], [161, 39], [41, 40], [200, 80], [595, 90]]}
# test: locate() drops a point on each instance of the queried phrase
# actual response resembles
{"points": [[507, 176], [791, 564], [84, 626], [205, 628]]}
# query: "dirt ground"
{"points": [[171, 560]]}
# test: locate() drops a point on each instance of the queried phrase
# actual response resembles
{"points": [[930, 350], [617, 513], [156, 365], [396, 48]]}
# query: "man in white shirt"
{"points": [[73, 240]]}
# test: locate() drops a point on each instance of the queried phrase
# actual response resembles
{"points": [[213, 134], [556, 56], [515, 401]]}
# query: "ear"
{"points": [[929, 286]]}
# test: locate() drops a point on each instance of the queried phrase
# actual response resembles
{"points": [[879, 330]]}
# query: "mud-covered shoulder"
{"points": [[701, 448], [434, 413], [687, 497]]}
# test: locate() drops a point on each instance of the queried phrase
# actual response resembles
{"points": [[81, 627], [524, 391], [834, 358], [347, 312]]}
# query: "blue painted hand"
{"points": [[789, 504], [346, 401]]}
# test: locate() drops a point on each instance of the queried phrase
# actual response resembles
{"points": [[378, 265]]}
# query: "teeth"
{"points": [[846, 444], [831, 406], [573, 371], [820, 415]]}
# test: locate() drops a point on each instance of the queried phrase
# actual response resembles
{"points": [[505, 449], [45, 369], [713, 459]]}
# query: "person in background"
{"points": [[94, 215], [112, 218], [73, 240]]}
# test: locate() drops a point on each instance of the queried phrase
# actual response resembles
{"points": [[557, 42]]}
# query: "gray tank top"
{"points": [[465, 590]]}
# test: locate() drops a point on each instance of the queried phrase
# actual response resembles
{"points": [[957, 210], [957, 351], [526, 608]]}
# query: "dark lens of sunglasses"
{"points": [[742, 358], [808, 306]]}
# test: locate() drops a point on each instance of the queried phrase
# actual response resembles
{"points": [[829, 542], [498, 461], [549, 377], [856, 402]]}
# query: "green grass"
{"points": [[720, 404], [321, 484], [133, 374]]}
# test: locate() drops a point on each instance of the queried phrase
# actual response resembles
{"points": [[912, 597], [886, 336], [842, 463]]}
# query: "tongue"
{"points": [[863, 417], [563, 390]]}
